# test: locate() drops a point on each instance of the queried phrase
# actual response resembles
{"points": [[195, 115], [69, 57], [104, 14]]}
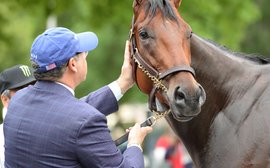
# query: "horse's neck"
{"points": [[217, 68], [225, 78], [233, 86], [219, 74]]}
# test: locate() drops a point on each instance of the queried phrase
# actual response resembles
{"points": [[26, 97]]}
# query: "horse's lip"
{"points": [[178, 117], [182, 118]]}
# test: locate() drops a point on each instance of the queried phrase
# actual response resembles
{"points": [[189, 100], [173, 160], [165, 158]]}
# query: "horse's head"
{"points": [[160, 41]]}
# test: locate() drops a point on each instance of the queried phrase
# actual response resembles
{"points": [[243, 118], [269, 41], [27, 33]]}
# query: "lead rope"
{"points": [[150, 121]]}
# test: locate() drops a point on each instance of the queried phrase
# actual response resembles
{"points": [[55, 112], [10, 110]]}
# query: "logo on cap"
{"points": [[26, 71]]}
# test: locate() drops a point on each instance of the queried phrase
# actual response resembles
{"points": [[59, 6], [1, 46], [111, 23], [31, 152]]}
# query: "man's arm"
{"points": [[106, 100], [95, 147], [103, 100]]}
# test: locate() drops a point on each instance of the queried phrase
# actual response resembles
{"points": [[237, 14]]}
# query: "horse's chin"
{"points": [[178, 114], [184, 115], [181, 118]]}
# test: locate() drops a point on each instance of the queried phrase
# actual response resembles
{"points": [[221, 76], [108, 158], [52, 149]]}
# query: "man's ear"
{"points": [[72, 64], [5, 100]]}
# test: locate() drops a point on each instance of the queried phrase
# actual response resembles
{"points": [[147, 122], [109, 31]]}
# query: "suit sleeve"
{"points": [[95, 147], [103, 100]]}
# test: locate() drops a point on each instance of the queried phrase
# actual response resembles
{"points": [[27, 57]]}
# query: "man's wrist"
{"points": [[123, 86], [116, 89], [135, 144]]}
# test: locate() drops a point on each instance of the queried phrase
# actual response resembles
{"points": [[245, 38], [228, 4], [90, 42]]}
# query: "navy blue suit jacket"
{"points": [[46, 126]]}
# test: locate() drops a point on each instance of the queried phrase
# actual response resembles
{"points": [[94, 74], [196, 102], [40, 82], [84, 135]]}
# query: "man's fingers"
{"points": [[127, 51]]}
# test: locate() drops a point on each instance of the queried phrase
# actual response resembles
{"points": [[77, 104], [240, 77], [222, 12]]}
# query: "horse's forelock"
{"points": [[165, 7]]}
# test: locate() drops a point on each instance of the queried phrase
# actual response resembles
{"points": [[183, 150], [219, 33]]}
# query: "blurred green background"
{"points": [[241, 26]]}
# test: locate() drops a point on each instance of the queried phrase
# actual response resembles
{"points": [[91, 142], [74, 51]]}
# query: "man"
{"points": [[11, 80], [60, 130]]}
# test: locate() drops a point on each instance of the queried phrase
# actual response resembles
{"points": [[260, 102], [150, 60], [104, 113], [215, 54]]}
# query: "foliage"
{"points": [[224, 21], [258, 34]]}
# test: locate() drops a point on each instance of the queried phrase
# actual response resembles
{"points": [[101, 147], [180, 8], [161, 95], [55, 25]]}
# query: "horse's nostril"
{"points": [[179, 96]]}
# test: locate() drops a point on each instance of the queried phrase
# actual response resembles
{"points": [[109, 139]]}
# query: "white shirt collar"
{"points": [[4, 112], [71, 90]]}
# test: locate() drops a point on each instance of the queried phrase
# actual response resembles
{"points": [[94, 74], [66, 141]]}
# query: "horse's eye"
{"points": [[144, 35]]}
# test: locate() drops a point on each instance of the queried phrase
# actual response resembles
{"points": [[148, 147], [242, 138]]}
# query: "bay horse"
{"points": [[232, 128], [159, 70]]}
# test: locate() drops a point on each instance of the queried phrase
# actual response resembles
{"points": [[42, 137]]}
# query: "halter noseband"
{"points": [[155, 76]]}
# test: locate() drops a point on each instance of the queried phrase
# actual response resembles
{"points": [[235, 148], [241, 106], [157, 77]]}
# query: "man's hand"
{"points": [[125, 80], [138, 133]]}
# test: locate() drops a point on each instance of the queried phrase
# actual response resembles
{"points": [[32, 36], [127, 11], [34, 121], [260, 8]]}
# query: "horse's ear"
{"points": [[136, 4], [177, 3]]}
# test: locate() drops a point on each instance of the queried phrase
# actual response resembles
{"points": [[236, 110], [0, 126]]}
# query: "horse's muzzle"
{"points": [[187, 104]]}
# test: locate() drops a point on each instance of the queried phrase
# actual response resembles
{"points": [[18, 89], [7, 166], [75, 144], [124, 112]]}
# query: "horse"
{"points": [[169, 78], [229, 128]]}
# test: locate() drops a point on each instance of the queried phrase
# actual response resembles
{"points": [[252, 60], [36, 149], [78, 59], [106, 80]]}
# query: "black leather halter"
{"points": [[155, 76]]}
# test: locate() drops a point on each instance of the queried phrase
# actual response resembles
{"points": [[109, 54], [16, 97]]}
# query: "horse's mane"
{"points": [[252, 57], [257, 58], [164, 5]]}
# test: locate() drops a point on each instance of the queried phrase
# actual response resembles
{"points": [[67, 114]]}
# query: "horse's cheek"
{"points": [[143, 82]]}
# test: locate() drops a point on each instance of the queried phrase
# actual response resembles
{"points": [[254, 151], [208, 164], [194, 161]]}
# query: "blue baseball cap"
{"points": [[56, 46]]}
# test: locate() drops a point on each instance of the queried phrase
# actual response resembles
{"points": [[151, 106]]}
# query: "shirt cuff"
{"points": [[115, 88], [137, 145]]}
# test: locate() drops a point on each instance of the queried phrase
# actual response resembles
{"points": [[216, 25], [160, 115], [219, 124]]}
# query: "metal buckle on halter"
{"points": [[151, 121], [157, 115]]}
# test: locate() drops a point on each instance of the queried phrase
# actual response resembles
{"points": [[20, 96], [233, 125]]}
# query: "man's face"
{"points": [[82, 66], [6, 96]]}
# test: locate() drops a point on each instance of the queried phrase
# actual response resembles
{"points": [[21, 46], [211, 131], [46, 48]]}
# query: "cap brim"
{"points": [[88, 41], [21, 84]]}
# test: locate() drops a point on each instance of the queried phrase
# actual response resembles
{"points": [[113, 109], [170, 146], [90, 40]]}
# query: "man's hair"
{"points": [[51, 75], [6, 93]]}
